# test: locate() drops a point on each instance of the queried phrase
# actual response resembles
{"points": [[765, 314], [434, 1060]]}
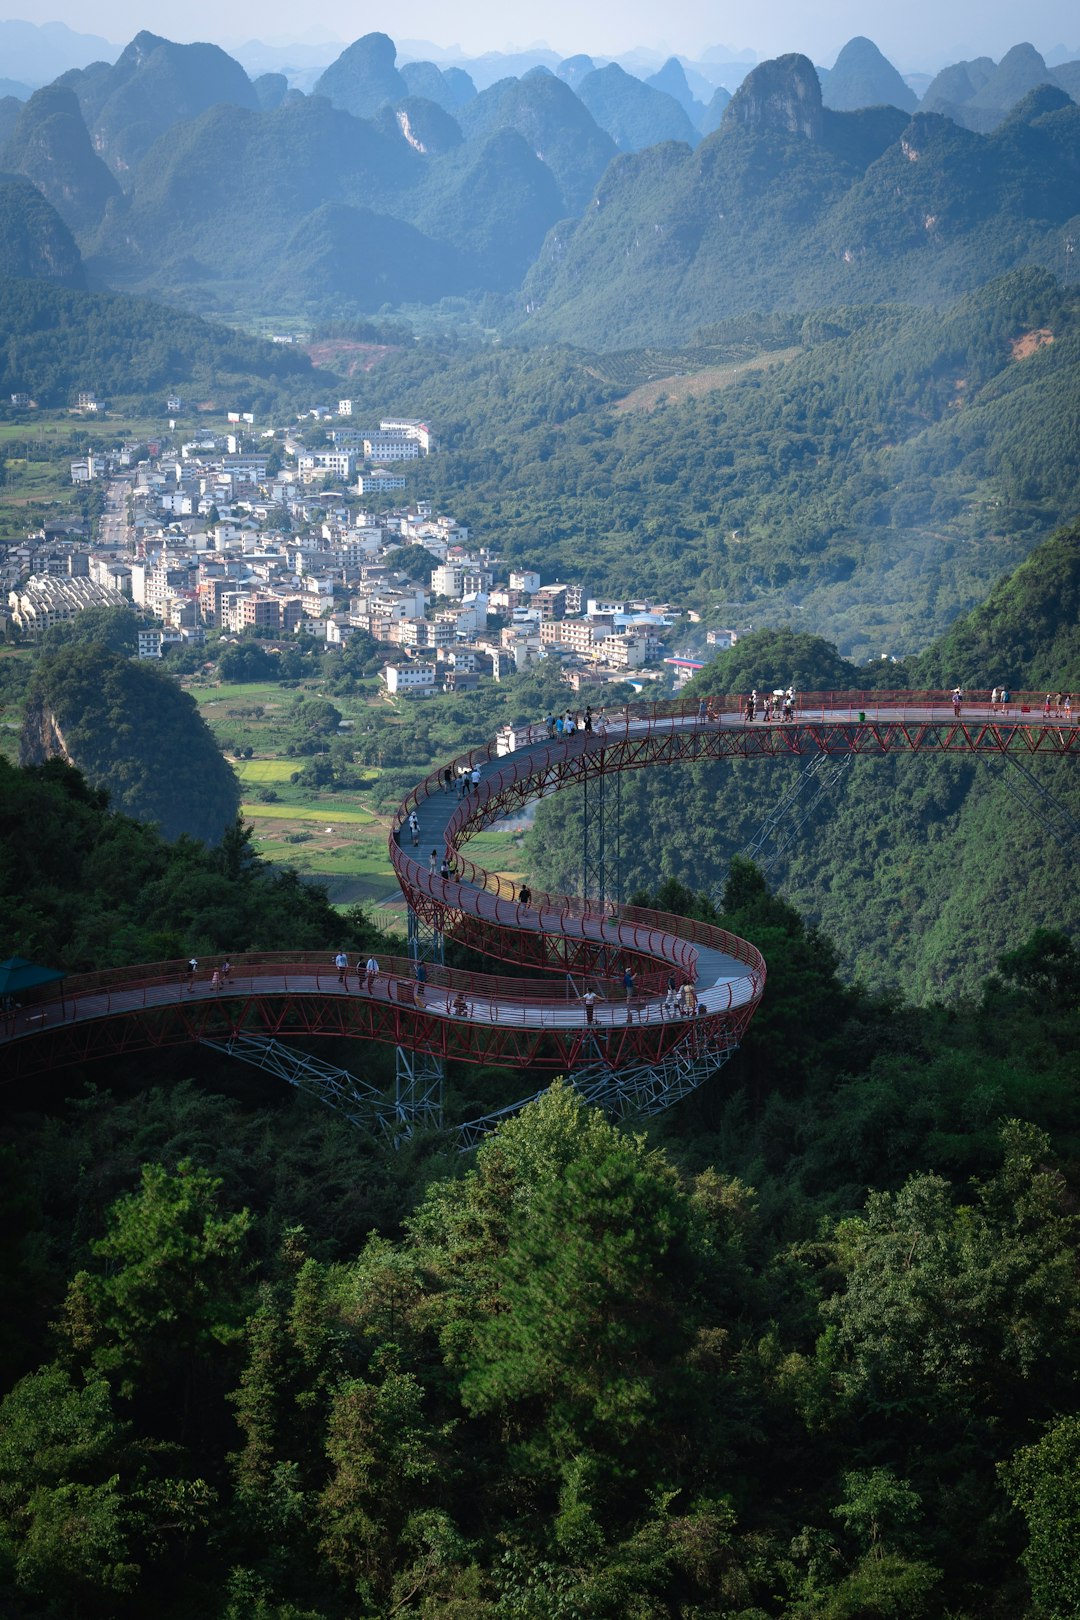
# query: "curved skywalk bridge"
{"points": [[634, 1055]]}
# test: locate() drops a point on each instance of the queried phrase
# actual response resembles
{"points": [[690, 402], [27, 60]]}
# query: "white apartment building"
{"points": [[448, 579], [333, 463], [379, 482], [408, 678], [390, 447], [46, 599]]}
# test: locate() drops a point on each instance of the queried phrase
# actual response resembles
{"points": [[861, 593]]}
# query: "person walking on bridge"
{"points": [[341, 962], [371, 970], [589, 1002]]}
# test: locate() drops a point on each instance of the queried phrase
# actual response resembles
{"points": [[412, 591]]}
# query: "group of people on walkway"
{"points": [[368, 972], [1059, 705], [220, 976], [680, 1000], [565, 725], [777, 705]]}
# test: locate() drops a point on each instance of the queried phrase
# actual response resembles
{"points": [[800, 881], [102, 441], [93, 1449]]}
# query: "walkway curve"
{"points": [[536, 1021]]}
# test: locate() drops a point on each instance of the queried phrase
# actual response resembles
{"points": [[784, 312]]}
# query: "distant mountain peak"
{"points": [[863, 77], [783, 94]]}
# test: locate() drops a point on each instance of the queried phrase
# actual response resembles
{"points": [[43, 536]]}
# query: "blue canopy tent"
{"points": [[17, 976]]}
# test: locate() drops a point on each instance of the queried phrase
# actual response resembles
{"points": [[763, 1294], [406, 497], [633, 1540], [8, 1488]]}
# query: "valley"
{"points": [[362, 401]]}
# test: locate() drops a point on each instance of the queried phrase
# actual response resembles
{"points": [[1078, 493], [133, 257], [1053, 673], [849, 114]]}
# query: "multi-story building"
{"points": [[411, 429], [580, 635], [334, 463], [408, 679], [380, 482], [551, 600], [44, 601], [390, 447], [425, 633], [448, 579]]}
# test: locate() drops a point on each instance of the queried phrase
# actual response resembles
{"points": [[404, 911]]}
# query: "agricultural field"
{"points": [[336, 837], [36, 451]]}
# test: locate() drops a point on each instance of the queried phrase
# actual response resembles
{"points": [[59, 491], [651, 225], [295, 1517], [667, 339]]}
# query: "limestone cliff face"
{"points": [[41, 737], [784, 95]]}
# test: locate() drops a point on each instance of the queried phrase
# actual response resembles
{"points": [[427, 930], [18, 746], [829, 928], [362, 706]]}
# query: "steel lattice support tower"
{"points": [[638, 1091], [594, 835], [601, 832], [361, 1104], [419, 1076]]}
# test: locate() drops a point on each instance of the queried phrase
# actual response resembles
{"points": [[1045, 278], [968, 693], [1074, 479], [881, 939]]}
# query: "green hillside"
{"points": [[54, 342], [922, 870], [34, 241], [51, 146], [779, 210], [134, 734], [876, 482]]}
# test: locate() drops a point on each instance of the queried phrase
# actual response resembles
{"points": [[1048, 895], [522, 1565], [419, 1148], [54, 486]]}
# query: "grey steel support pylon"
{"points": [[632, 1093], [601, 836], [593, 837], [1039, 801], [419, 1075], [360, 1103]]}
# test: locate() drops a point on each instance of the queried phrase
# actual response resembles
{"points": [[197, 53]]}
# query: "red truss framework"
{"points": [[528, 1022]]}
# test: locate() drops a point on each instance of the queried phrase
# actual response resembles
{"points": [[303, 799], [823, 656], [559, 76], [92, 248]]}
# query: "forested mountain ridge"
{"points": [[790, 203], [921, 869], [51, 146], [153, 85], [877, 480], [779, 209], [34, 241], [54, 341], [88, 886]]}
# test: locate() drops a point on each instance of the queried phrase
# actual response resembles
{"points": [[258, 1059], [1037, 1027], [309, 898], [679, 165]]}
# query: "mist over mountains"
{"points": [[601, 207]]}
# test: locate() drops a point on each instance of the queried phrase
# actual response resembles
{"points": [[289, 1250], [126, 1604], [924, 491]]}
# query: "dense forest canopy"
{"points": [[55, 342], [921, 868]]}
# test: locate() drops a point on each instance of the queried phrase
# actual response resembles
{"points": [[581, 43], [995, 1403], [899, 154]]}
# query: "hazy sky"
{"points": [[913, 33]]}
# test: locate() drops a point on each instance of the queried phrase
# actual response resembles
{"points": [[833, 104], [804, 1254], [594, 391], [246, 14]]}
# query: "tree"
{"points": [[66, 1527], [247, 661], [953, 1309], [169, 1297], [580, 1350], [1043, 1481], [116, 628]]}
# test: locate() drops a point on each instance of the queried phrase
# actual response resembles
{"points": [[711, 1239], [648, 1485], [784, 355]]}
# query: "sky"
{"points": [[914, 34]]}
